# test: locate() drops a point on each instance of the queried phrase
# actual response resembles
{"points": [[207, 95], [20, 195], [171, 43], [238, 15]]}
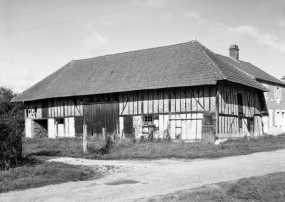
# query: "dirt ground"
{"points": [[138, 180]]}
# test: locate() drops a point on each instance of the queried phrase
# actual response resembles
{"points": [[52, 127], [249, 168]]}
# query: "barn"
{"points": [[185, 90]]}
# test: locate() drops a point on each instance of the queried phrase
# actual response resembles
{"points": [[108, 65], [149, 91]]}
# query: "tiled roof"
{"points": [[253, 70], [185, 64]]}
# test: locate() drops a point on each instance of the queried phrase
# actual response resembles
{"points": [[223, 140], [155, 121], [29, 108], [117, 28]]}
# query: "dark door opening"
{"points": [[101, 115]]}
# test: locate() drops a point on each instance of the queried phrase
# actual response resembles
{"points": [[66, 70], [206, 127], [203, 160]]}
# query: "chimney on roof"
{"points": [[283, 79], [234, 52]]}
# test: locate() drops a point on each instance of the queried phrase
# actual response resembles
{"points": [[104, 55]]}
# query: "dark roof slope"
{"points": [[253, 70], [186, 64]]}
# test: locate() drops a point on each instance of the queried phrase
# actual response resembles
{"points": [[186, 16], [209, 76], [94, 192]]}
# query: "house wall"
{"points": [[274, 123]]}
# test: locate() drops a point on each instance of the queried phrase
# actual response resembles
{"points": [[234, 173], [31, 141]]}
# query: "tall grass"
{"points": [[35, 173], [156, 149], [256, 189]]}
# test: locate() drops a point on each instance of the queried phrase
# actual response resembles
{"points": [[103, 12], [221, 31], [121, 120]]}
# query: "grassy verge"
{"points": [[270, 187], [152, 150], [36, 173]]}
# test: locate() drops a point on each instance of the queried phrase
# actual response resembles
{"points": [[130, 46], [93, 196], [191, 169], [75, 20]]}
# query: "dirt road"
{"points": [[139, 180]]}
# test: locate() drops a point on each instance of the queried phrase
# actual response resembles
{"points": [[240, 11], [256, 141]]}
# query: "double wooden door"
{"points": [[101, 115]]}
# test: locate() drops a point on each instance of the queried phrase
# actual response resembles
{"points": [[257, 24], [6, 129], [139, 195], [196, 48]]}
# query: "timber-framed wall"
{"points": [[186, 112]]}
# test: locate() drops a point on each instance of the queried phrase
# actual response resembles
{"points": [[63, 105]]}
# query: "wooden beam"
{"points": [[217, 110], [197, 101]]}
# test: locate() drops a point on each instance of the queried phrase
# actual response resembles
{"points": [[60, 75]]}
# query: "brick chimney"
{"points": [[234, 52], [283, 79]]}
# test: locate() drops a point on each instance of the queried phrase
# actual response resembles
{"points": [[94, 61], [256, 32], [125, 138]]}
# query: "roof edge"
{"points": [[266, 81]]}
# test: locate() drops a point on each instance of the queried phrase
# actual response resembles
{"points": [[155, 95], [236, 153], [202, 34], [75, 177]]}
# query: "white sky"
{"points": [[26, 57]]}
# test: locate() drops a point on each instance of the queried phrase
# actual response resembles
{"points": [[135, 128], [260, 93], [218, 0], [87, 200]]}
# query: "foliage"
{"points": [[11, 129]]}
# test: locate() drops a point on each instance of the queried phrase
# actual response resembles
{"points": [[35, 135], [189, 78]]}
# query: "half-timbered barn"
{"points": [[184, 90]]}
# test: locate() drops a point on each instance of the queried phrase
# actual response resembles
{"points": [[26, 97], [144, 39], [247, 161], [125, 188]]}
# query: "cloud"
{"points": [[194, 15], [167, 16], [261, 38], [96, 43], [157, 3], [226, 32]]}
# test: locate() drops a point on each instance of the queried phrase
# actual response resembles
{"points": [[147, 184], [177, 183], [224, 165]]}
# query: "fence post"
{"points": [[84, 138]]}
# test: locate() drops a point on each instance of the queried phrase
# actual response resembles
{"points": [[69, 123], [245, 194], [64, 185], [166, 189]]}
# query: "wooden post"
{"points": [[104, 133], [84, 138], [217, 110]]}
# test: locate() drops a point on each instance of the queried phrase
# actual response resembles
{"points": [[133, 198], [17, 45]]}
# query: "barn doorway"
{"points": [[101, 115], [40, 128]]}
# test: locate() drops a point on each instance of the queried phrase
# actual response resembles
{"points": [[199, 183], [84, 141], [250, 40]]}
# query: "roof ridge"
{"points": [[133, 51], [198, 44], [248, 74]]}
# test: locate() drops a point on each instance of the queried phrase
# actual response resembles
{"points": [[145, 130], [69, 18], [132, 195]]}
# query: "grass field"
{"points": [[151, 150], [266, 188], [36, 173]]}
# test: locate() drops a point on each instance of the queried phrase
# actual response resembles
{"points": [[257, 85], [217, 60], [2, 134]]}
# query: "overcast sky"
{"points": [[26, 57]]}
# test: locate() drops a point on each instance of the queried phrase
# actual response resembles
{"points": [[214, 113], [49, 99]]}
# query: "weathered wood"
{"points": [[150, 102], [177, 100], [145, 102], [160, 102], [131, 103], [84, 138], [135, 103], [217, 109], [183, 100], [166, 101]]}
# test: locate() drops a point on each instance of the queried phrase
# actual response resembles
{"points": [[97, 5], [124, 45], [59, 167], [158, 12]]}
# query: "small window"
{"points": [[207, 119], [148, 120], [59, 121]]}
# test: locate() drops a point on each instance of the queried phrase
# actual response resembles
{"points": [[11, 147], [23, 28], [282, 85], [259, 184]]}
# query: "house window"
{"points": [[278, 94], [277, 118], [59, 121]]}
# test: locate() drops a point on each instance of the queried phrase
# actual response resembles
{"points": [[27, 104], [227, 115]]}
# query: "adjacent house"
{"points": [[184, 90]]}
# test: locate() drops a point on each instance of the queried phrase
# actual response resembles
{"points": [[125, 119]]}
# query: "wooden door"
{"points": [[128, 126], [101, 115]]}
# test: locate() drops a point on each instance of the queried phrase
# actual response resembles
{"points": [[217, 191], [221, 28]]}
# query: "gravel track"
{"points": [[138, 180]]}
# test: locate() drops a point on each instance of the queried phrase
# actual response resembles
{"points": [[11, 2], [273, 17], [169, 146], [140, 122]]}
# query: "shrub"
{"points": [[11, 129]]}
